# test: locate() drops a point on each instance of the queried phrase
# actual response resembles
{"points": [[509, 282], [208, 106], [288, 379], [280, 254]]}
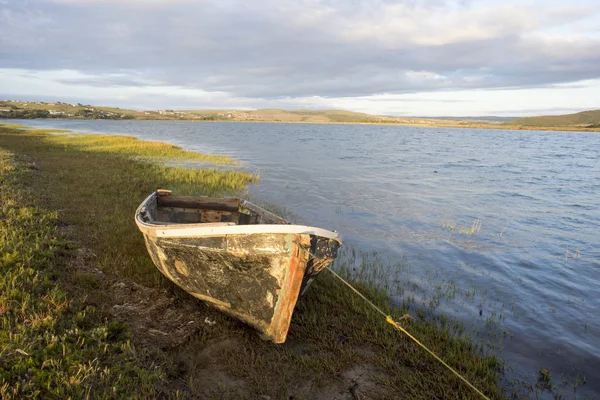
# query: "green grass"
{"points": [[132, 147], [51, 345], [14, 126], [588, 119], [97, 186], [336, 343]]}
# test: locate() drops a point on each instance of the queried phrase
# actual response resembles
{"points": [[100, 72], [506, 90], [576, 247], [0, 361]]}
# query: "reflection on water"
{"points": [[525, 283]]}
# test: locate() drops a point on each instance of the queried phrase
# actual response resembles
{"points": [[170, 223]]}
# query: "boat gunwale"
{"points": [[223, 228]]}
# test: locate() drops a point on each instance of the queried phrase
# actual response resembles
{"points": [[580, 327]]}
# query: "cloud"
{"points": [[277, 50], [116, 80], [144, 3], [70, 86]]}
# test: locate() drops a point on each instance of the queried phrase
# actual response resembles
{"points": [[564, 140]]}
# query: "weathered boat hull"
{"points": [[253, 272]]}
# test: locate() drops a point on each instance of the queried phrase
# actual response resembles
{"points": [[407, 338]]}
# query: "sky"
{"points": [[404, 58]]}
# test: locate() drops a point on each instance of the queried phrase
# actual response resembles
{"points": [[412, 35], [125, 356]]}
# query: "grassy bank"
{"points": [[337, 347], [53, 345]]}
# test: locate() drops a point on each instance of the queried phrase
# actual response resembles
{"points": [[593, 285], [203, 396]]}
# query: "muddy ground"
{"points": [[192, 333]]}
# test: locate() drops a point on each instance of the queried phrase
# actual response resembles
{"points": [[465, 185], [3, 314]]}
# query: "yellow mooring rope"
{"points": [[401, 329]]}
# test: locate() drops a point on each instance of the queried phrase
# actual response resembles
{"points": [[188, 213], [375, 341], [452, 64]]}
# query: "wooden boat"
{"points": [[240, 258]]}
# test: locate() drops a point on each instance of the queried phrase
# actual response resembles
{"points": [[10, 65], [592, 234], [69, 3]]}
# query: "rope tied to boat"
{"points": [[399, 327]]}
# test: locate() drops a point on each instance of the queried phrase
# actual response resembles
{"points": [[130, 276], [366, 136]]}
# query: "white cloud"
{"points": [[124, 2], [399, 25], [55, 85], [328, 52]]}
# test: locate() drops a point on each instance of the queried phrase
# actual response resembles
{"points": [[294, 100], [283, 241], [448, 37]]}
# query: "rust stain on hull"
{"points": [[282, 318]]}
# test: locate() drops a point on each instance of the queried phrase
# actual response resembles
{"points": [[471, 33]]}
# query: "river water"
{"points": [[524, 279]]}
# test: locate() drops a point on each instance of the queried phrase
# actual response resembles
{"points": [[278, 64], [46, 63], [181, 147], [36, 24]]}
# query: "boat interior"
{"points": [[166, 209]]}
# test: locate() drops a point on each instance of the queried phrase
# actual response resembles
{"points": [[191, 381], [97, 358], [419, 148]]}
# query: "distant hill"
{"points": [[317, 116], [585, 119], [38, 109], [480, 118], [312, 116], [11, 109]]}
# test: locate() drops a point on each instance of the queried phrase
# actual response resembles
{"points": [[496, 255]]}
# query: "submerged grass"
{"points": [[463, 230], [337, 345]]}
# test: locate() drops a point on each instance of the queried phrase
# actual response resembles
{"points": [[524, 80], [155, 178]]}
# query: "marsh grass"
{"points": [[133, 147], [334, 334], [14, 126]]}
